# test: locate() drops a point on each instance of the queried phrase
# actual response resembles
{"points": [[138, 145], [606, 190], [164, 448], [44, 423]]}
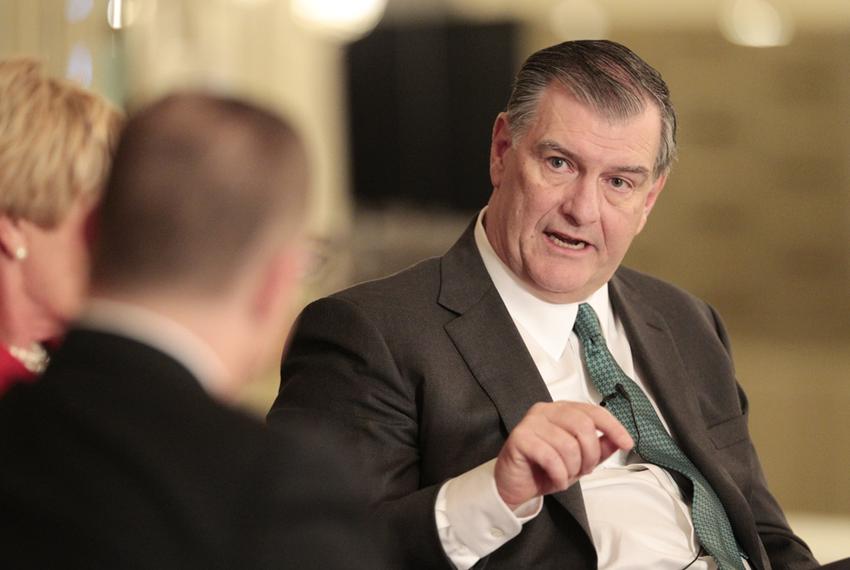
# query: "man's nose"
{"points": [[581, 201]]}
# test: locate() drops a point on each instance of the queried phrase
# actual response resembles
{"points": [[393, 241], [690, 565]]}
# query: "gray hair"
{"points": [[604, 74]]}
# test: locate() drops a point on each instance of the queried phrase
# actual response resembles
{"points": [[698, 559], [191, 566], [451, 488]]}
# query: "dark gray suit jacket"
{"points": [[429, 371]]}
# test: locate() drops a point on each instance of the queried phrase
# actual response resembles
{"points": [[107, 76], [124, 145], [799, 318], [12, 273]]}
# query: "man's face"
{"points": [[571, 194]]}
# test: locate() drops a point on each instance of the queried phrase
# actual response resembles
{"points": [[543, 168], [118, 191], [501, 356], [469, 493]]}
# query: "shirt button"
{"points": [[497, 532]]}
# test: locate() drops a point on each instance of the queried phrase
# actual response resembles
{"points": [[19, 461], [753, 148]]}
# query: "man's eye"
{"points": [[557, 162], [619, 183]]}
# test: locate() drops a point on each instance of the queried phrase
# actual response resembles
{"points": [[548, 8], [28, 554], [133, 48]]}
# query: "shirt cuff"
{"points": [[473, 520]]}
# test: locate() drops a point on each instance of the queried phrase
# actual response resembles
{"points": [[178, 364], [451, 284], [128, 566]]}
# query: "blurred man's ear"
{"points": [[279, 283], [273, 294]]}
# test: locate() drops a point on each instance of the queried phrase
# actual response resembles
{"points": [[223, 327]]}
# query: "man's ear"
{"points": [[651, 198], [11, 237], [500, 142]]}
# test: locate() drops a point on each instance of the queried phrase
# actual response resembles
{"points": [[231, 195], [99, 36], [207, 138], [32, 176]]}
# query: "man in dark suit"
{"points": [[127, 454], [474, 381]]}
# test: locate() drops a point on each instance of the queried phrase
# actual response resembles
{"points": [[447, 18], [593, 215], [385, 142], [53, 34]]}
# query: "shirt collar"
{"points": [[549, 324], [159, 332]]}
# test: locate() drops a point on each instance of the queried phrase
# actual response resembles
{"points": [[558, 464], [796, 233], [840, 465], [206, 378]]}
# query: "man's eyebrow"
{"points": [[553, 146], [642, 170]]}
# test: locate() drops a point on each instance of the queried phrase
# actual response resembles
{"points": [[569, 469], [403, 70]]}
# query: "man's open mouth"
{"points": [[565, 241]]}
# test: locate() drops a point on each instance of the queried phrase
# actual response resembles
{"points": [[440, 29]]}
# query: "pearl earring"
{"points": [[21, 253]]}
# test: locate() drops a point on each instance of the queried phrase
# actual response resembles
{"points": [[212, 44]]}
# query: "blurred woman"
{"points": [[56, 140]]}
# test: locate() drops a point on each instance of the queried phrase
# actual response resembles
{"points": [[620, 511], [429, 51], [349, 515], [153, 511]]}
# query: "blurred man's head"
{"points": [[196, 183], [577, 162], [203, 213]]}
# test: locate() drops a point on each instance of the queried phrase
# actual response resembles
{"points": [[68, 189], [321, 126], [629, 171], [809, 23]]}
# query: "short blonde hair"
{"points": [[56, 141]]}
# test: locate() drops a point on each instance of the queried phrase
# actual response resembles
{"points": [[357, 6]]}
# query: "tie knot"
{"points": [[587, 324]]}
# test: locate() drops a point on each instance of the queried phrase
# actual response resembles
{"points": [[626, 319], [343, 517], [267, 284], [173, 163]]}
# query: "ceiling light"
{"points": [[755, 23], [80, 65], [341, 19], [123, 13], [78, 10]]}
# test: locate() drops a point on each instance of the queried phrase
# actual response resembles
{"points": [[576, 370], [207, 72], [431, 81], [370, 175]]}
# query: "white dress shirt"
{"points": [[636, 512]]}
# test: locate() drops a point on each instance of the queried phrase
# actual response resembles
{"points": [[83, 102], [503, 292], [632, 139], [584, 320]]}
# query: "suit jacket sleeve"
{"points": [[784, 549], [309, 512], [339, 365]]}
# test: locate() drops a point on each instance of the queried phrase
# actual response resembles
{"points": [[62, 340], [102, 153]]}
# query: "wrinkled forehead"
{"points": [[559, 108], [556, 100], [563, 121]]}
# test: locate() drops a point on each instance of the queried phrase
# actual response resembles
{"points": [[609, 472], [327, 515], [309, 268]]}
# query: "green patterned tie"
{"points": [[652, 442]]}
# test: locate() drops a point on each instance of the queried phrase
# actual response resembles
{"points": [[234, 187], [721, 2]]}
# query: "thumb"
{"points": [[608, 447]]}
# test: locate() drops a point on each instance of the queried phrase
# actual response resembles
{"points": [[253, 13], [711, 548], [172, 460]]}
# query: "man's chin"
{"points": [[563, 292]]}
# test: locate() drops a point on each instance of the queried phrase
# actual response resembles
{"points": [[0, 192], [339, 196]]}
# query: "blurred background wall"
{"points": [[755, 218]]}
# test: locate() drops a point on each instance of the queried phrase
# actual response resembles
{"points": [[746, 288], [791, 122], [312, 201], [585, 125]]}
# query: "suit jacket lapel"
{"points": [[663, 372], [491, 346], [665, 375]]}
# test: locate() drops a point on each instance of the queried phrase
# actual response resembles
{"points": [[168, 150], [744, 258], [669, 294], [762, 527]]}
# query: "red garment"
{"points": [[12, 371]]}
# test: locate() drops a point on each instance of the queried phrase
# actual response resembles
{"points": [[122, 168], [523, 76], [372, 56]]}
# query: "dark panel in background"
{"points": [[422, 101]]}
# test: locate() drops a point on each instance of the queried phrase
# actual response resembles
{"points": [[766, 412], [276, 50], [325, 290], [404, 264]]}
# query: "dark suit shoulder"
{"points": [[648, 285], [421, 280], [392, 308], [675, 303]]}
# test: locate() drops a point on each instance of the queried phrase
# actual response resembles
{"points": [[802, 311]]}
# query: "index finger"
{"points": [[610, 427]]}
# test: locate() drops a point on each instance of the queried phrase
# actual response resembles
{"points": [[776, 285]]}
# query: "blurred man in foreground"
{"points": [[524, 401], [126, 454]]}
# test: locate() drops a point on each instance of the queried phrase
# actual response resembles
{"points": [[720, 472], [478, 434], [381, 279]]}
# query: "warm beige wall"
{"points": [[761, 193], [40, 28]]}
